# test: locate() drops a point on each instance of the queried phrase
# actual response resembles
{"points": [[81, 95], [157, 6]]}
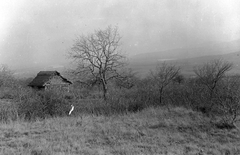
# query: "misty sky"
{"points": [[42, 31]]}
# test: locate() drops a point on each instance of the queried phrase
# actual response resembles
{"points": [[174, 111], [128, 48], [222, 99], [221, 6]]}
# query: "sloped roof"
{"points": [[43, 76]]}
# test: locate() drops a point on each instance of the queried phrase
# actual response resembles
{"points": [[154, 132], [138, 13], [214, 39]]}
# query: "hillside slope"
{"points": [[211, 48], [187, 58], [187, 65], [152, 131]]}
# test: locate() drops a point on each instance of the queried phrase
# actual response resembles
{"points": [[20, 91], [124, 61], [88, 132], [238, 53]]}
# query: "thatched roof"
{"points": [[44, 76]]}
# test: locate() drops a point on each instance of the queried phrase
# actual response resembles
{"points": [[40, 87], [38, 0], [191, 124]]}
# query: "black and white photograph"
{"points": [[119, 77]]}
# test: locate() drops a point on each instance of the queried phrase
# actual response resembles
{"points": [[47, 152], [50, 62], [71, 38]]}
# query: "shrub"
{"points": [[132, 100], [228, 100], [163, 76], [6, 93], [210, 76], [43, 104], [8, 112], [31, 108]]}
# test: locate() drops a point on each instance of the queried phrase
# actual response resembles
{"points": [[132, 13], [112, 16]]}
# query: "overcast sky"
{"points": [[42, 31]]}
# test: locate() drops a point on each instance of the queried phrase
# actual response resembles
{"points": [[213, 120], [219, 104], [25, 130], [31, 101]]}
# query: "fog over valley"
{"points": [[38, 34]]}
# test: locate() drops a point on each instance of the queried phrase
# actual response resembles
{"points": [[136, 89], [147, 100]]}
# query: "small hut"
{"points": [[48, 80]]}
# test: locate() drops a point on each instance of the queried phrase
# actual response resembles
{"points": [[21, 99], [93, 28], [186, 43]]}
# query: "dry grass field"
{"points": [[151, 131]]}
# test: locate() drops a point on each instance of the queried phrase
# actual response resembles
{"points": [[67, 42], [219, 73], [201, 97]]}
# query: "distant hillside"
{"points": [[187, 65], [186, 58], [213, 48], [142, 63]]}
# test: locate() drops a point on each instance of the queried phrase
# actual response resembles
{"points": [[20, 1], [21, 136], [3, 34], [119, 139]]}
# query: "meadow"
{"points": [[152, 131], [183, 116]]}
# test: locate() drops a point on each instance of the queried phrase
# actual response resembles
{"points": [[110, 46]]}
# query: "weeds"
{"points": [[8, 112], [150, 131], [211, 92]]}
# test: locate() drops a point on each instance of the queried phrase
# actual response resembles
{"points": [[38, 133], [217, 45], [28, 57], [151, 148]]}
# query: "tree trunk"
{"points": [[104, 92], [160, 95], [104, 84], [211, 101]]}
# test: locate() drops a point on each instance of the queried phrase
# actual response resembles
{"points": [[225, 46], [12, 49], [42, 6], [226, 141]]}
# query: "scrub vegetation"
{"points": [[117, 112]]}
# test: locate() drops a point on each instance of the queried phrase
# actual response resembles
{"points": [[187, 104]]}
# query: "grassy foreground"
{"points": [[151, 131]]}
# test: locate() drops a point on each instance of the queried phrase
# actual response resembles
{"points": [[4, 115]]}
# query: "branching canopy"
{"points": [[211, 73], [98, 55], [164, 74]]}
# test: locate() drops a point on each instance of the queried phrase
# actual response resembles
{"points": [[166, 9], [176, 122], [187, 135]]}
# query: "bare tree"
{"points": [[228, 103], [210, 76], [98, 55], [164, 74]]}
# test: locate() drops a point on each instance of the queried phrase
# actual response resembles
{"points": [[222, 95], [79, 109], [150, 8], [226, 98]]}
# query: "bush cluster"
{"points": [[211, 91], [26, 103], [41, 104]]}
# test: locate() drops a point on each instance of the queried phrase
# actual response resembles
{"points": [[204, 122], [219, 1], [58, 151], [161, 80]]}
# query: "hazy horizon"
{"points": [[41, 32]]}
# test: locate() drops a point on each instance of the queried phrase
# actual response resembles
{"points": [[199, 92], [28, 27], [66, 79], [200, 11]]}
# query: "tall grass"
{"points": [[42, 104], [30, 104], [8, 112]]}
